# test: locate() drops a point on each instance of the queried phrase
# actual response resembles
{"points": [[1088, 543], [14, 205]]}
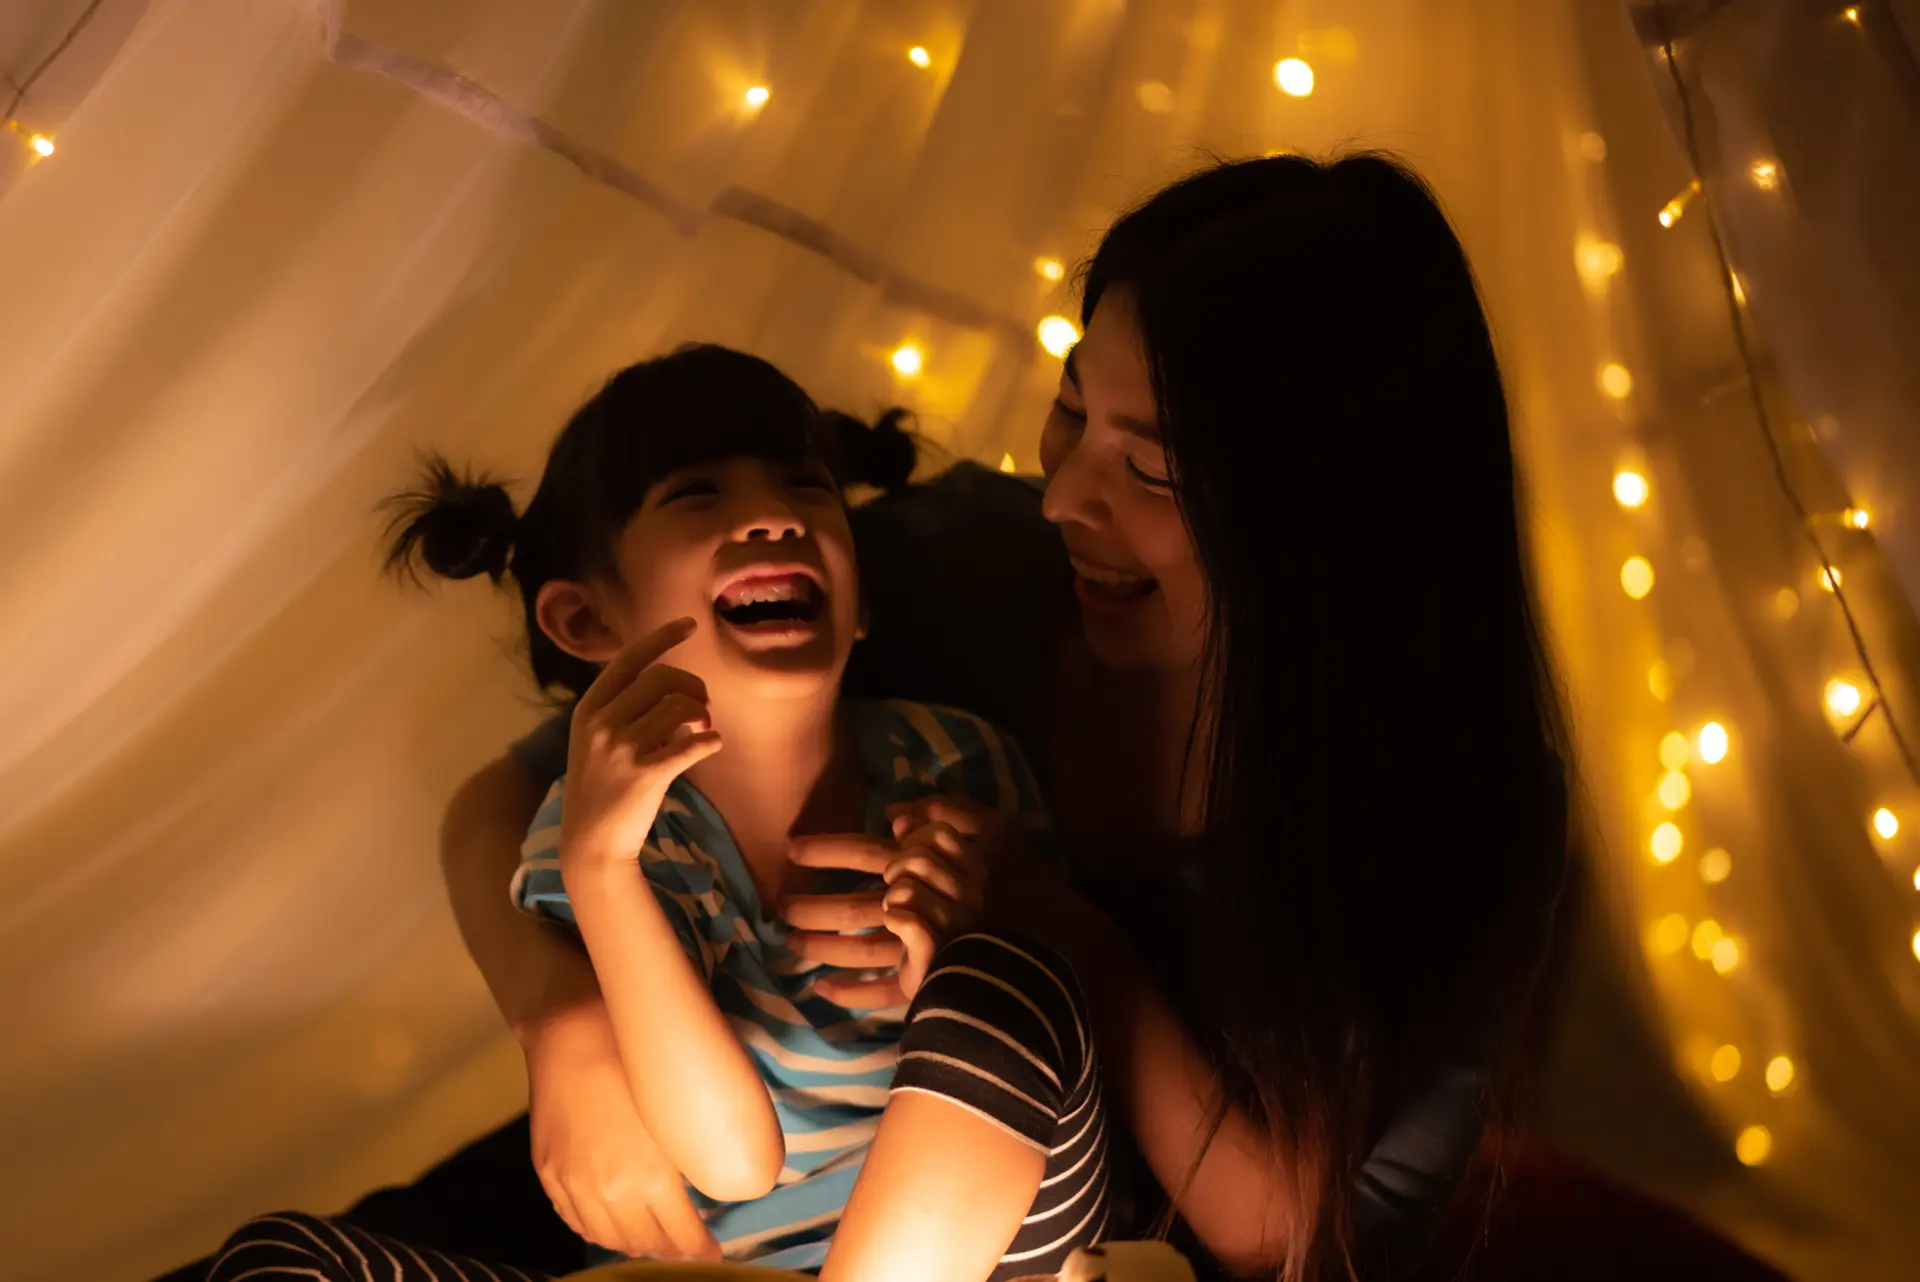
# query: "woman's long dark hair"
{"points": [[1384, 800]]}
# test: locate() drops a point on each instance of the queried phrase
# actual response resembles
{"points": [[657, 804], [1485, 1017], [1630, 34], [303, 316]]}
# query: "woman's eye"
{"points": [[1067, 411], [1148, 478]]}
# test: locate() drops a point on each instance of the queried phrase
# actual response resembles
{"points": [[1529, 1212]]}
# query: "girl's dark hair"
{"points": [[1384, 798], [700, 404]]}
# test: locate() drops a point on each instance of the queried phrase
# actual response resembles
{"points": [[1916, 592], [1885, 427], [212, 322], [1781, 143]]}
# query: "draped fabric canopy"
{"points": [[282, 244]]}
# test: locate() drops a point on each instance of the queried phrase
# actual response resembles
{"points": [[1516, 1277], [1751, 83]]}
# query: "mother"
{"points": [[1288, 701]]}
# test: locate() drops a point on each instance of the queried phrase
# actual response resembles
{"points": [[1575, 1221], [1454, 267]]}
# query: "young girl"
{"points": [[692, 511]]}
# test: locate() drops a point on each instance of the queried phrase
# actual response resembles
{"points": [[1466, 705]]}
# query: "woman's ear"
{"points": [[571, 616]]}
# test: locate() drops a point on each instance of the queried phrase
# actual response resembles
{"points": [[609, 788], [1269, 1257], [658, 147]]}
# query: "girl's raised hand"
{"points": [[639, 726]]}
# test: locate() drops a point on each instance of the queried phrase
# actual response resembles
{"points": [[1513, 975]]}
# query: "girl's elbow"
{"points": [[739, 1172]]}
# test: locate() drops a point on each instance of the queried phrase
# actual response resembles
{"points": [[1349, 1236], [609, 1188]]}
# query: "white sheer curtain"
{"points": [[283, 244]]}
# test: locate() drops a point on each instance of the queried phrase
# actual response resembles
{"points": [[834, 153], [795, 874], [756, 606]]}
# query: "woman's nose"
{"points": [[1075, 494]]}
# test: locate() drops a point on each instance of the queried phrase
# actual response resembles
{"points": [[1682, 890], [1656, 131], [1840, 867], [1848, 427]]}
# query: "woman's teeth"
{"points": [[1112, 583]]}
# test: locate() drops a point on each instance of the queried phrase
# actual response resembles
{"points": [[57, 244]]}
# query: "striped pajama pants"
{"points": [[1000, 1027]]}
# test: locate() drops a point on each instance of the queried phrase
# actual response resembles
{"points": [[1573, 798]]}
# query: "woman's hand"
{"points": [[935, 889], [600, 1165], [639, 726]]}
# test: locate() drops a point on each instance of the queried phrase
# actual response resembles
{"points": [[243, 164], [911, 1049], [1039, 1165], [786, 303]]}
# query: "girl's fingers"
{"points": [[830, 913], [850, 952], [658, 727], [935, 870], [682, 754], [968, 818], [861, 994], [918, 942], [563, 1204], [623, 667], [936, 835], [649, 690]]}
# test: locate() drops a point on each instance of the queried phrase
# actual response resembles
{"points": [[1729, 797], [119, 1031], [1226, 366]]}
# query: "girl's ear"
{"points": [[571, 616]]}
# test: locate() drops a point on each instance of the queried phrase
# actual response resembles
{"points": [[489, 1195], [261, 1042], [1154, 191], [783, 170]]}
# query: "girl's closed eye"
{"points": [[693, 487]]}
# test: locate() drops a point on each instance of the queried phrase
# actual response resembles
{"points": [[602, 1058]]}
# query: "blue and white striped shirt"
{"points": [[828, 1068]]}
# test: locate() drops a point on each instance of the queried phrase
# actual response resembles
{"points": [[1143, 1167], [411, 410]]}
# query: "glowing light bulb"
{"points": [[1786, 603], [1616, 380], [1050, 268], [1674, 790], [1669, 215], [1675, 751], [1593, 147], [1712, 742], [1629, 489], [1843, 697], [1156, 97], [757, 96], [1725, 956], [1779, 1073], [1725, 1064], [1830, 578], [1765, 174], [1007, 464], [1886, 823], [1598, 261], [1660, 680], [1739, 288], [1916, 943], [1636, 577], [1715, 866], [1058, 335], [1857, 517], [1706, 936], [41, 144], [1852, 13], [1667, 843], [908, 360], [1916, 878], [1294, 77], [1753, 1145], [919, 57], [1668, 935]]}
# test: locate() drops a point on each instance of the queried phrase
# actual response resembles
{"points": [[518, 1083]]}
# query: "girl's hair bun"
{"points": [[882, 454], [457, 526]]}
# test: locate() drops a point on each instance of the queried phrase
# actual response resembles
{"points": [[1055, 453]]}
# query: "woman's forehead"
{"points": [[1109, 356]]}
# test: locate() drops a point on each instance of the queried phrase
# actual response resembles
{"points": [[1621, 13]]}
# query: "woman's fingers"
{"points": [[850, 850], [861, 994], [937, 871], [623, 667], [833, 912], [851, 952], [918, 942], [562, 1203]]}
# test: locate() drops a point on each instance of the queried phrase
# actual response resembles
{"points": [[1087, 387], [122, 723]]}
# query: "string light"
{"points": [[1843, 697], [1668, 935], [1786, 603], [1667, 843], [1616, 380], [1671, 212], [1830, 578], [908, 360], [1916, 943], [1753, 1145], [1725, 956], [1779, 1073], [1675, 751], [1593, 147], [1007, 464], [1705, 937], [1712, 742], [1857, 518], [1660, 680], [1765, 174], [1739, 288], [1636, 577], [1058, 335], [1598, 261], [1715, 866], [1916, 878], [1630, 489], [1156, 97], [1852, 13], [1674, 790], [1886, 823], [919, 57], [757, 96], [1725, 1065], [1294, 77], [1050, 268]]}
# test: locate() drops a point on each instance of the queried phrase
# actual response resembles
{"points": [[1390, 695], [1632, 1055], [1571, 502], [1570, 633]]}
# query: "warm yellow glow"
{"points": [[1705, 937], [1007, 464], [1668, 935], [1636, 577], [1886, 823], [1712, 742], [1765, 174], [1916, 944], [908, 360], [1725, 955], [1598, 261], [1616, 380], [41, 144], [919, 57], [1156, 97], [1843, 697], [1857, 517], [757, 96], [1739, 288], [1050, 268], [1593, 146], [1916, 878], [1852, 13], [1667, 843], [1715, 866], [1675, 751], [1725, 1064], [1830, 578], [1674, 790], [1293, 76], [1753, 1145], [1786, 603], [1058, 335], [1660, 680], [1670, 214], [1779, 1073], [1629, 488]]}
